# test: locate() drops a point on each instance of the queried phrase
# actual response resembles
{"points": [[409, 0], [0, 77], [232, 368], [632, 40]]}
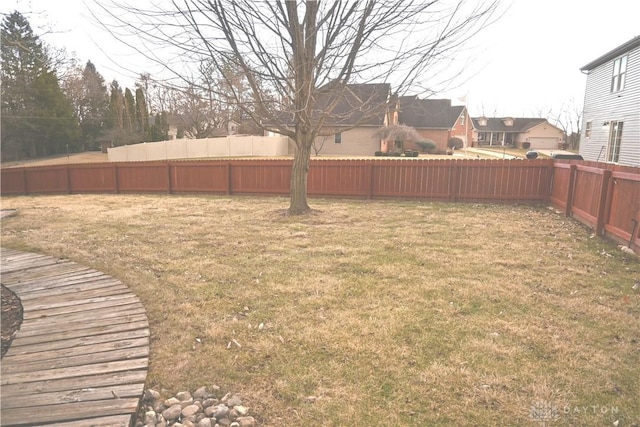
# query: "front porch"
{"points": [[497, 138]]}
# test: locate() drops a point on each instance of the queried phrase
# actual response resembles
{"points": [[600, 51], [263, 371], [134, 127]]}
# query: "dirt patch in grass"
{"points": [[387, 313]]}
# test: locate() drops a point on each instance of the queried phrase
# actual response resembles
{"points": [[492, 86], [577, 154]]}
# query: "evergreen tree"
{"points": [[142, 114], [130, 122], [56, 129], [115, 118], [159, 130], [87, 92], [36, 118], [128, 116], [94, 105], [116, 107]]}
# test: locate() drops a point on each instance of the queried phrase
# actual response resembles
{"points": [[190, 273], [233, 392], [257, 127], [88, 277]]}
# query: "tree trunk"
{"points": [[298, 203]]}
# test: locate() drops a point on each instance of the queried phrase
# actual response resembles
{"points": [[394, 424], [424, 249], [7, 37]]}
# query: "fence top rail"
{"points": [[559, 165], [438, 162], [626, 176], [599, 165], [591, 169], [288, 161]]}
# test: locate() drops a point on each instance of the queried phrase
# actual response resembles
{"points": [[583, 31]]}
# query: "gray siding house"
{"points": [[611, 116]]}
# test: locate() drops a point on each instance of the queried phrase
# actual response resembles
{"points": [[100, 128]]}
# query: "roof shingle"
{"points": [[356, 105], [428, 113], [497, 124]]}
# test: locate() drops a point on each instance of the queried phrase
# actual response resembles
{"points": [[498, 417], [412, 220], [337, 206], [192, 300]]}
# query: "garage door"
{"points": [[544, 143]]}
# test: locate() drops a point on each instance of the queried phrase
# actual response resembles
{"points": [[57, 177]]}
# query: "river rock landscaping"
{"points": [[202, 408]]}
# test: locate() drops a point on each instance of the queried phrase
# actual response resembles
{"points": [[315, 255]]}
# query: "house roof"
{"points": [[497, 124], [356, 105], [171, 119], [428, 113], [359, 105], [623, 48]]}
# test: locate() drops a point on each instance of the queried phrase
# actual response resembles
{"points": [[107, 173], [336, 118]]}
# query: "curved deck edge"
{"points": [[81, 355]]}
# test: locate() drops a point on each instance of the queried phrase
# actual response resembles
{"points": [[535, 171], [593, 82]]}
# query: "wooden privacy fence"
{"points": [[455, 180], [604, 197]]}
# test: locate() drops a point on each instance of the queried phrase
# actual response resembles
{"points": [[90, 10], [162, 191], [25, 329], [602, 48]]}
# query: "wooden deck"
{"points": [[81, 355]]}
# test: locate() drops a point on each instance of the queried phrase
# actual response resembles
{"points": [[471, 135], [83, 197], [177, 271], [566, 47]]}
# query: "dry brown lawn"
{"points": [[366, 313], [87, 157]]}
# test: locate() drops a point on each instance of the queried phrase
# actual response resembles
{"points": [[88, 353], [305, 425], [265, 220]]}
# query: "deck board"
{"points": [[77, 320], [74, 384], [78, 282], [76, 351], [48, 328], [80, 333], [81, 355]]}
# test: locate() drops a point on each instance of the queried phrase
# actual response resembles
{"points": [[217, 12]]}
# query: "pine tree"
{"points": [[142, 114], [57, 125], [128, 118], [159, 130], [36, 117], [94, 105], [130, 122], [115, 117]]}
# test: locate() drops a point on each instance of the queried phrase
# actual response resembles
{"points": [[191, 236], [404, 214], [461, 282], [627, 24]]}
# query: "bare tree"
{"points": [[298, 57], [203, 106], [397, 135], [200, 114], [318, 144], [568, 117]]}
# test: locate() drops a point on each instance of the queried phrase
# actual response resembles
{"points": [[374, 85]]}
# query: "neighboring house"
{"points": [[349, 126], [435, 120], [611, 115], [501, 131], [176, 126], [230, 129]]}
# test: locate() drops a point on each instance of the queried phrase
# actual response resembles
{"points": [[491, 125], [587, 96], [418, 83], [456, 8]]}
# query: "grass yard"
{"points": [[366, 313]]}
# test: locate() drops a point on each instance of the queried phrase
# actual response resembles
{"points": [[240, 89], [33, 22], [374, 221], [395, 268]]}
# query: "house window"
{"points": [[481, 136], [338, 138], [615, 138], [587, 130], [619, 73]]}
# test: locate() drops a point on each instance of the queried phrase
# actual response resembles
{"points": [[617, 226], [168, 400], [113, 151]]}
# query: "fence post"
{"points": [[454, 181], [168, 177], [602, 202], [24, 180], [228, 167], [551, 176], [573, 170], [115, 178], [370, 186], [68, 179]]}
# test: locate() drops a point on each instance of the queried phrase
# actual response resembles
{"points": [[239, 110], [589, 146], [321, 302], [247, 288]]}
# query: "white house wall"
{"points": [[354, 142], [600, 106]]}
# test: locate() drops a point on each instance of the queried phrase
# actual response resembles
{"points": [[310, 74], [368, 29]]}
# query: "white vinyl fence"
{"points": [[230, 146]]}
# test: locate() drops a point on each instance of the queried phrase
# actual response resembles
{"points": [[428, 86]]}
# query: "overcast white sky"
{"points": [[525, 63]]}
